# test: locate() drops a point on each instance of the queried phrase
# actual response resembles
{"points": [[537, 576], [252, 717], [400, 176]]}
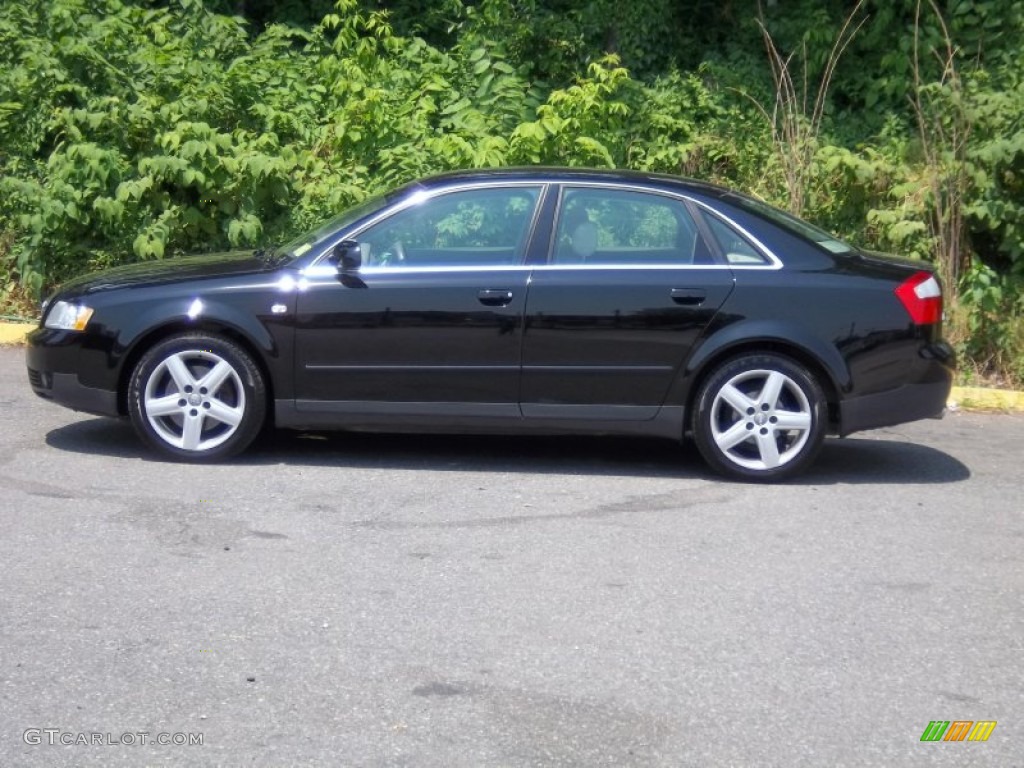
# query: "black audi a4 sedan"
{"points": [[548, 300]]}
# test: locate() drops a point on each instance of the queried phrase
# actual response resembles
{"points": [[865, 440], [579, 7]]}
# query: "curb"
{"points": [[982, 399], [15, 333], [961, 398]]}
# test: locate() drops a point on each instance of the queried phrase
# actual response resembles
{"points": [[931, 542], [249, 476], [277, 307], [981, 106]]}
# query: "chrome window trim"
{"points": [[328, 270], [318, 268], [775, 262], [645, 267], [429, 194]]}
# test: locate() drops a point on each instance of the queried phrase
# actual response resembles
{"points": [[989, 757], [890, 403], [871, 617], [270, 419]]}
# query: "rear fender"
{"points": [[767, 336]]}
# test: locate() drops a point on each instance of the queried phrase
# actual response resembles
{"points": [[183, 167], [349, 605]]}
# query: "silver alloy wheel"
{"points": [[761, 419], [194, 400]]}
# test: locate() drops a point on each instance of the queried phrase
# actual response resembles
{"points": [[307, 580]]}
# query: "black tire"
{"points": [[180, 418], [742, 409]]}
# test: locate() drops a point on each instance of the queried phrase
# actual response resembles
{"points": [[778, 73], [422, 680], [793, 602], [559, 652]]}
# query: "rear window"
{"points": [[735, 247], [791, 224]]}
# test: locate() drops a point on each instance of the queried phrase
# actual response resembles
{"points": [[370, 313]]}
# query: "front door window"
{"points": [[470, 228]]}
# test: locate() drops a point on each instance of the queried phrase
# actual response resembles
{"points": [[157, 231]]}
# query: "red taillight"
{"points": [[921, 297]]}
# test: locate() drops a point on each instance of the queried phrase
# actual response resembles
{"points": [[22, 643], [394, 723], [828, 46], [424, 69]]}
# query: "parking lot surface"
{"points": [[388, 600]]}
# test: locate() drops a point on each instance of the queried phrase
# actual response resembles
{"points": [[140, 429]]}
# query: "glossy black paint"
{"points": [[236, 291], [528, 346], [612, 336], [411, 336]]}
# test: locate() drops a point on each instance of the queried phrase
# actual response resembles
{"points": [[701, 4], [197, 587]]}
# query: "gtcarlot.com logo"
{"points": [[55, 736]]}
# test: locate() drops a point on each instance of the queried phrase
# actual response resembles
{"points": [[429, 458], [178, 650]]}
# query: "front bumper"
{"points": [[53, 359]]}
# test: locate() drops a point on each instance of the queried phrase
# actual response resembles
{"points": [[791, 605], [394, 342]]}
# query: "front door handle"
{"points": [[494, 297], [688, 296]]}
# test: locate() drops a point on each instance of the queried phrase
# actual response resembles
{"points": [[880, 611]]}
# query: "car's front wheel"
{"points": [[760, 417], [197, 397]]}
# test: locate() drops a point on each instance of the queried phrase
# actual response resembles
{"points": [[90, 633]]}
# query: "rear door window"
{"points": [[623, 227]]}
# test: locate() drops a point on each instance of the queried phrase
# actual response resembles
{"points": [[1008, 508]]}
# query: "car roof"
{"points": [[545, 174]]}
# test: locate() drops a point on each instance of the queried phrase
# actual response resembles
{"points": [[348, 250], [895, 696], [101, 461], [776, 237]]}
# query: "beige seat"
{"points": [[584, 240], [578, 237]]}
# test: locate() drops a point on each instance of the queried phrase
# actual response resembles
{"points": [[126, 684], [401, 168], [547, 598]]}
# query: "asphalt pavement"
{"points": [[388, 600]]}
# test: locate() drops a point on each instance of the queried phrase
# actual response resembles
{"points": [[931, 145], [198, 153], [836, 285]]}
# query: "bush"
{"points": [[140, 130]]}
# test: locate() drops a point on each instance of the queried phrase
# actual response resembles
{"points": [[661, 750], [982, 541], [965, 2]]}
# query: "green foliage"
{"points": [[996, 162], [138, 130], [141, 133], [584, 124], [991, 325]]}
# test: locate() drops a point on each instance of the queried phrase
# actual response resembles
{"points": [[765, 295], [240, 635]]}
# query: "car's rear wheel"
{"points": [[760, 417], [197, 397]]}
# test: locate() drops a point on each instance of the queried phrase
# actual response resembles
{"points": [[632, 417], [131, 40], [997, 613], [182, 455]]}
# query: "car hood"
{"points": [[169, 271]]}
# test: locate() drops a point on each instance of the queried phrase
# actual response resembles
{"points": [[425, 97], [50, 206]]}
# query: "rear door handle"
{"points": [[688, 296], [495, 297]]}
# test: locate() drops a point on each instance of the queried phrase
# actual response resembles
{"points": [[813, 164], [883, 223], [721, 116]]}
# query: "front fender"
{"points": [[182, 312]]}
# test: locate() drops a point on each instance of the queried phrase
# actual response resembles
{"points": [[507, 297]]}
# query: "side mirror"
{"points": [[348, 256]]}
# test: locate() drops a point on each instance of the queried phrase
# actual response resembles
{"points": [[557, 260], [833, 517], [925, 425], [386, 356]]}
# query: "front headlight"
{"points": [[65, 316]]}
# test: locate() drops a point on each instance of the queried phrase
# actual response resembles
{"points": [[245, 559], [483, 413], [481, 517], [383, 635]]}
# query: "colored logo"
{"points": [[958, 730]]}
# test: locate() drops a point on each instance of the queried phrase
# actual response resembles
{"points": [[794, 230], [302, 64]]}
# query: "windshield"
{"points": [[792, 224], [303, 243]]}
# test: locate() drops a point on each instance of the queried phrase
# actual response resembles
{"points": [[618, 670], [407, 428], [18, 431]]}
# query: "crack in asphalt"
{"points": [[643, 504]]}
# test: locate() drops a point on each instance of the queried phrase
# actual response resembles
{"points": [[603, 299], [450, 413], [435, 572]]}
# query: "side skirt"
{"points": [[473, 418]]}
